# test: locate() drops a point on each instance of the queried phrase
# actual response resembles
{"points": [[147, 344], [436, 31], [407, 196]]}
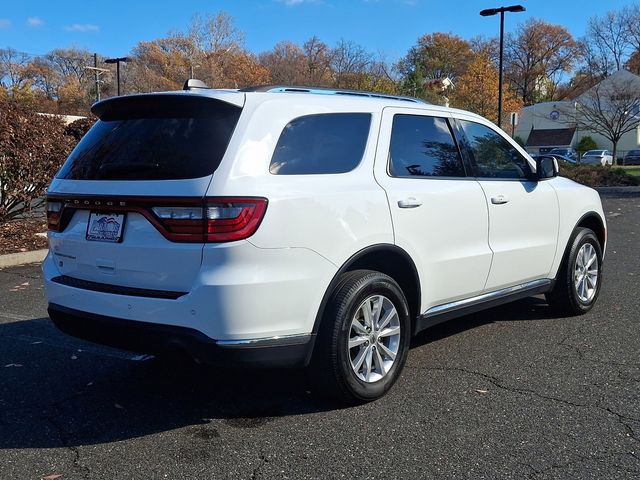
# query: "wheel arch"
{"points": [[384, 258], [593, 221]]}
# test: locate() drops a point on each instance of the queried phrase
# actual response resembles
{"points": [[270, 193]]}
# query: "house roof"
{"points": [[551, 137]]}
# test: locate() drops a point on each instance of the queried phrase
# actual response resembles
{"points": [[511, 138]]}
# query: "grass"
{"points": [[633, 171]]}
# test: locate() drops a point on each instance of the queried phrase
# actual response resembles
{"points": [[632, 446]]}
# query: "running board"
{"points": [[447, 311]]}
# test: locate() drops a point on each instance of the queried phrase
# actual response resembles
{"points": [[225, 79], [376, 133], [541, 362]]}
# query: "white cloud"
{"points": [[82, 27], [35, 22], [4, 23], [293, 3]]}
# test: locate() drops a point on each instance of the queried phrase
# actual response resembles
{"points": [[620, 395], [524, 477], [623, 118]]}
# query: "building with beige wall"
{"points": [[548, 125]]}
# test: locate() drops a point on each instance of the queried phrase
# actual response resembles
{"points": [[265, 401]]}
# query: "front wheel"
{"points": [[364, 338], [580, 276]]}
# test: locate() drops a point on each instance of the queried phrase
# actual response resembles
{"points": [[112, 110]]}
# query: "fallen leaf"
{"points": [[482, 392], [73, 357], [13, 365], [117, 405], [53, 476], [25, 284]]}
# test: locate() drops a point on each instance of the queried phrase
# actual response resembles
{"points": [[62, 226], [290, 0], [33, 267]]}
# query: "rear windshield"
{"points": [[153, 137]]}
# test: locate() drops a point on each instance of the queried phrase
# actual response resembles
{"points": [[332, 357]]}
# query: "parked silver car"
{"points": [[597, 157]]}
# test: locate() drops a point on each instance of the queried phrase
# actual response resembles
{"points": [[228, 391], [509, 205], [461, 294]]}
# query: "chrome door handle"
{"points": [[499, 199], [409, 203]]}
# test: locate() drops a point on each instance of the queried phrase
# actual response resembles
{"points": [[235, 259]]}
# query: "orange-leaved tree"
{"points": [[477, 89]]}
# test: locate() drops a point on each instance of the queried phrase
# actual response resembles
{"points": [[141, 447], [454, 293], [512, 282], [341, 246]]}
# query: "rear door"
{"points": [[126, 208], [439, 214], [523, 213]]}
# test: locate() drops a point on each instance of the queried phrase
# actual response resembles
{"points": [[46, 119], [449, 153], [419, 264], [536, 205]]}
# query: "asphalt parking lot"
{"points": [[514, 392]]}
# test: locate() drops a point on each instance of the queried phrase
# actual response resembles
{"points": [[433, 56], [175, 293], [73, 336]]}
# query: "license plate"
{"points": [[105, 227]]}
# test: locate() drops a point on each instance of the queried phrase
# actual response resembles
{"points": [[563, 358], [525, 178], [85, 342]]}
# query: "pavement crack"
{"points": [[621, 418], [21, 275], [66, 442], [263, 461]]}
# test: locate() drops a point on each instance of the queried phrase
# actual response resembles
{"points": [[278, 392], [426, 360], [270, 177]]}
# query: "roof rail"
{"points": [[327, 91], [193, 83]]}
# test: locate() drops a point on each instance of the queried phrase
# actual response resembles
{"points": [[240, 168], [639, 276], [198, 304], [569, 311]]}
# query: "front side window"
{"points": [[423, 147], [321, 144], [493, 155]]}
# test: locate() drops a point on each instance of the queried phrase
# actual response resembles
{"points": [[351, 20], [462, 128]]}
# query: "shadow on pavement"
{"points": [[56, 391]]}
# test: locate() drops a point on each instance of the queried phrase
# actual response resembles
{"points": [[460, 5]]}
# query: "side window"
{"points": [[493, 156], [423, 147], [324, 143]]}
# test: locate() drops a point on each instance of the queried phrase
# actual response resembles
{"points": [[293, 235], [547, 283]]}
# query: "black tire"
{"points": [[332, 371], [565, 297]]}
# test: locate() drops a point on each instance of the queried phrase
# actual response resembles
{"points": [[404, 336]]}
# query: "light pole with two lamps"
{"points": [[117, 61], [488, 13]]}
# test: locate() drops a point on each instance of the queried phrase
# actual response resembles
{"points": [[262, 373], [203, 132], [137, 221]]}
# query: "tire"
{"points": [[366, 370], [570, 295]]}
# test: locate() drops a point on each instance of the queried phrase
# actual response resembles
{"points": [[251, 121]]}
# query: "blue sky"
{"points": [[390, 27]]}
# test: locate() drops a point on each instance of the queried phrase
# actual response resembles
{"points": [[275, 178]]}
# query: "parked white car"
{"points": [[597, 157], [278, 226]]}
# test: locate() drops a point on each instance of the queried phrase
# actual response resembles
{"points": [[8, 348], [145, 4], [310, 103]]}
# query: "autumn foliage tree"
{"points": [[477, 90], [32, 148], [435, 56], [536, 57]]}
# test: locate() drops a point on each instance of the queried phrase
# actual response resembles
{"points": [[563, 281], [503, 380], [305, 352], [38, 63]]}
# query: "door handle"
{"points": [[499, 199], [409, 203]]}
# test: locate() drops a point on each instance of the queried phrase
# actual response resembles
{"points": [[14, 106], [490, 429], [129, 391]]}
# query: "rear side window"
{"points": [[320, 144], [494, 156], [153, 138], [423, 147]]}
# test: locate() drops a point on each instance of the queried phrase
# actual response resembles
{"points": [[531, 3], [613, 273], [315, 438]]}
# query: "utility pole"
{"points": [[96, 74], [117, 61]]}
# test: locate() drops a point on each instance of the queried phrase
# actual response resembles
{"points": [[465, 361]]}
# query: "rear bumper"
{"points": [[153, 338]]}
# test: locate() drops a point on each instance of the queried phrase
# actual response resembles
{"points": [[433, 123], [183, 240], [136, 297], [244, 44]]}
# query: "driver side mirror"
{"points": [[546, 167]]}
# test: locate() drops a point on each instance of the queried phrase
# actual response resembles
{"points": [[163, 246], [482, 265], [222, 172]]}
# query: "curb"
{"points": [[15, 259], [631, 191]]}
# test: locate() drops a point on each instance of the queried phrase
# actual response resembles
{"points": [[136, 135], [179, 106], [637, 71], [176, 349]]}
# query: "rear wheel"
{"points": [[580, 276], [364, 338]]}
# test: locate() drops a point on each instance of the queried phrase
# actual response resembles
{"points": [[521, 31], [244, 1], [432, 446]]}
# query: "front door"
{"points": [[523, 213]]}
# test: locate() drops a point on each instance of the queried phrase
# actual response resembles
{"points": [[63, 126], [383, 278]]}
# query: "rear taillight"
{"points": [[53, 215], [233, 218], [178, 219], [217, 220]]}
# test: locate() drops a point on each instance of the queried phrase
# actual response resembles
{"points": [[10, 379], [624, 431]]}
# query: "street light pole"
{"points": [[488, 13], [117, 61]]}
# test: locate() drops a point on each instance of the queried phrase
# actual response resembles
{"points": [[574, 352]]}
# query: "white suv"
{"points": [[278, 226]]}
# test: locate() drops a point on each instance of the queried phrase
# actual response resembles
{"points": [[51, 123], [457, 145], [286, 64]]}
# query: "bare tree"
{"points": [[318, 58], [610, 108], [215, 33], [608, 40], [12, 68], [286, 62], [348, 59]]}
